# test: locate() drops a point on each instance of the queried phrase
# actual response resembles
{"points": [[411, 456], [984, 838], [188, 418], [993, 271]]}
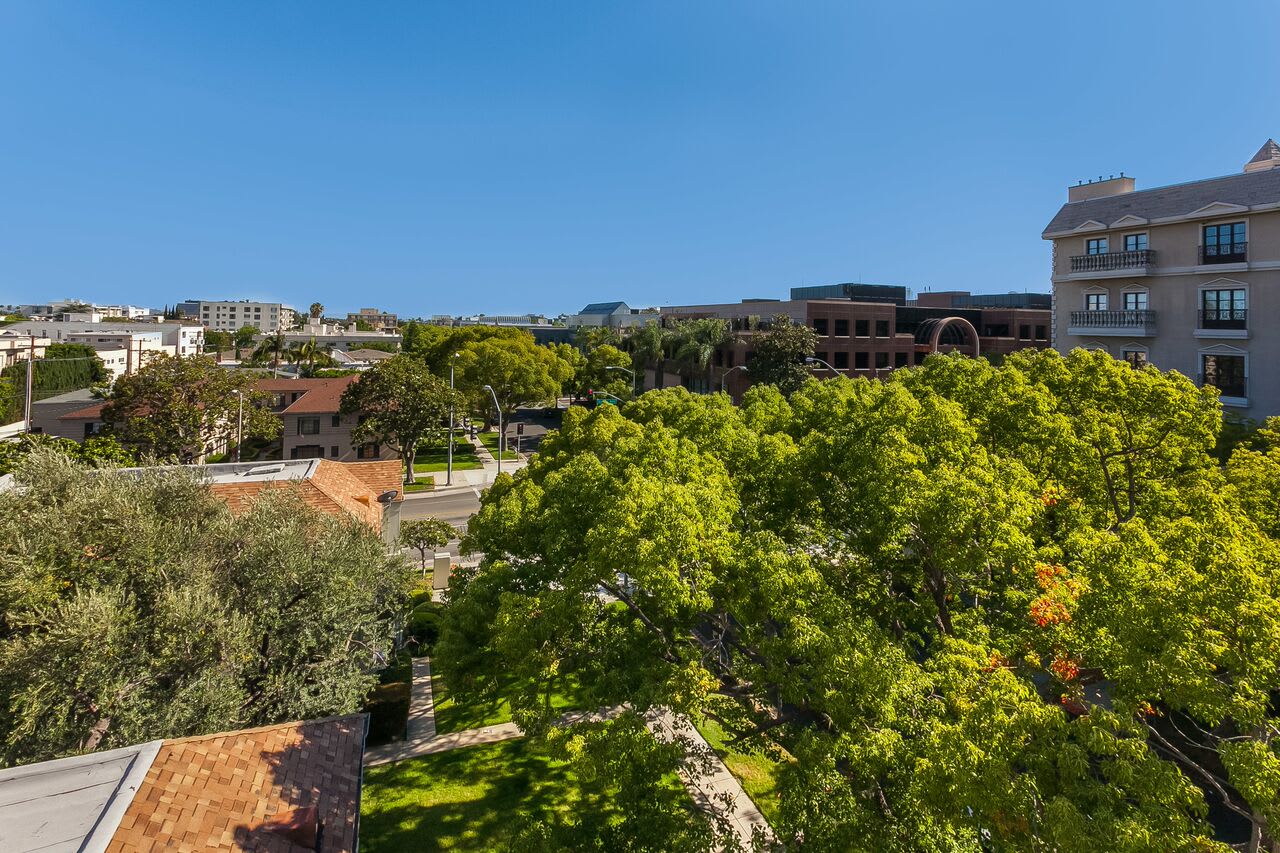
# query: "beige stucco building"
{"points": [[1185, 277]]}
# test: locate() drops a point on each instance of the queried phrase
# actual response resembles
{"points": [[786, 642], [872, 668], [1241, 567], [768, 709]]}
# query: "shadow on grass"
{"points": [[456, 714], [476, 798]]}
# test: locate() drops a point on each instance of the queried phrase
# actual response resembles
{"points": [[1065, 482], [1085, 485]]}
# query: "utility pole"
{"points": [[31, 374]]}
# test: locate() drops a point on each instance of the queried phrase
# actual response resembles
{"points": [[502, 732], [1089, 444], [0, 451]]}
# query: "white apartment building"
{"points": [[227, 316], [15, 348], [178, 338], [59, 307]]}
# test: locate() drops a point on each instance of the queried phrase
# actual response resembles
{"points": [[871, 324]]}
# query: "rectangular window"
{"points": [[882, 328], [824, 356], [899, 359], [367, 451], [995, 330], [882, 360], [861, 328], [1095, 246], [336, 421], [1040, 334], [1024, 333], [308, 426], [1135, 300], [333, 451], [1136, 357], [1095, 302], [842, 328], [1224, 244], [1223, 309], [842, 361], [820, 326], [1224, 372], [859, 361], [1135, 242]]}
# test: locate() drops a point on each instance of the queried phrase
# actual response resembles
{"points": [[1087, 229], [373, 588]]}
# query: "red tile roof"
{"points": [[381, 476], [333, 487], [223, 792], [322, 397]]}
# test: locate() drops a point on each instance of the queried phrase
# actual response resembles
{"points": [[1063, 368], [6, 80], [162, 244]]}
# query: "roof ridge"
{"points": [[1161, 187], [257, 729]]}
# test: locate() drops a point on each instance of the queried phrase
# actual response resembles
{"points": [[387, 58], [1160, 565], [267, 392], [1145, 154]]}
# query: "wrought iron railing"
{"points": [[1225, 253], [1114, 319], [1223, 318], [1113, 261]]}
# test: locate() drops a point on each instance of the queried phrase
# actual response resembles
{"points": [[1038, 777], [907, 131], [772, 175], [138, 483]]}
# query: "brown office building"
{"points": [[870, 329]]}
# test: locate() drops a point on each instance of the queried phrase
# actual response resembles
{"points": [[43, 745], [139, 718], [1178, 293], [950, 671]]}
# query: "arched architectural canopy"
{"points": [[951, 332]]}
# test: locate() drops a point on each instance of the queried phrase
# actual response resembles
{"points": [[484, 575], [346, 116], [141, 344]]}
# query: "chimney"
{"points": [[1100, 188], [1268, 157]]}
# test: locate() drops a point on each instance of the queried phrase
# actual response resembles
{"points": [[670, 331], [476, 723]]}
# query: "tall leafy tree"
{"points": [[781, 349], [187, 408], [425, 535], [97, 451], [402, 404], [1013, 607], [194, 622], [519, 371], [648, 347], [244, 337]]}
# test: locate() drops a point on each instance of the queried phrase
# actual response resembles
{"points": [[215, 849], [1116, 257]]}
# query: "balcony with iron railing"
{"points": [[1226, 253], [1131, 262], [1222, 318], [1117, 323]]}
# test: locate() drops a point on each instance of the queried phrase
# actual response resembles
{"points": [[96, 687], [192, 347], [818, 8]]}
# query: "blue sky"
{"points": [[493, 157]]}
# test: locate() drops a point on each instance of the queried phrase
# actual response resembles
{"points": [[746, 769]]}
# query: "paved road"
{"points": [[454, 507]]}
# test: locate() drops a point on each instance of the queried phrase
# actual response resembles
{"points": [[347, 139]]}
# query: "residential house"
{"points": [[294, 786], [313, 425], [1184, 277]]}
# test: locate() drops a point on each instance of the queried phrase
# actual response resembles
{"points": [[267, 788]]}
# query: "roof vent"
{"points": [[263, 470]]}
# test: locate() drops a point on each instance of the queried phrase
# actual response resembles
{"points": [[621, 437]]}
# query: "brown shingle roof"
{"points": [[381, 476], [215, 792], [332, 488], [93, 412], [322, 398]]}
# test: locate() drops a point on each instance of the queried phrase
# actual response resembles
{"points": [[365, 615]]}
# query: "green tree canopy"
{"points": [[187, 408], [191, 621], [983, 607], [781, 349], [95, 451], [519, 371], [402, 404], [425, 535]]}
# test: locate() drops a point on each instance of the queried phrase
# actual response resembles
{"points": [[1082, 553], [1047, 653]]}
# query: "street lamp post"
{"points": [[812, 360], [628, 370], [497, 408], [449, 469], [239, 420], [724, 377]]}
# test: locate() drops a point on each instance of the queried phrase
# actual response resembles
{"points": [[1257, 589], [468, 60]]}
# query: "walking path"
{"points": [[709, 781], [706, 778]]}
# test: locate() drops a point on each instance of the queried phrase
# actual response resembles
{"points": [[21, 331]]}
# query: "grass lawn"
{"points": [[490, 440], [436, 457], [426, 484], [465, 799], [452, 716], [754, 769]]}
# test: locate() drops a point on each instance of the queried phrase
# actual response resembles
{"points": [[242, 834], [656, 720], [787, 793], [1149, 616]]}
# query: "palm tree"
{"points": [[317, 310], [696, 342], [273, 345], [648, 346], [310, 353]]}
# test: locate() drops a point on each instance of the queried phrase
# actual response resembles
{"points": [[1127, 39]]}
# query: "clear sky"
{"points": [[461, 157]]}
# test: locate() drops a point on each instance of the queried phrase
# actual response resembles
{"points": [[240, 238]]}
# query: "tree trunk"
{"points": [[407, 456]]}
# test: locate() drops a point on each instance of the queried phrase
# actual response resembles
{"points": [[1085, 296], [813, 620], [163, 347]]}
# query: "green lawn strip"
{"points": [[490, 440], [436, 457], [464, 799], [755, 769], [425, 485], [452, 716]]}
